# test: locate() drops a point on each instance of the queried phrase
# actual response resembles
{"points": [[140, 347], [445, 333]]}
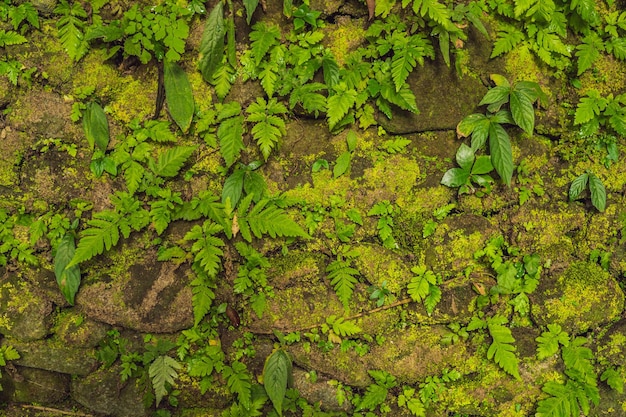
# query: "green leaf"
{"points": [[613, 379], [548, 342], [455, 177], [482, 165], [233, 187], [250, 6], [343, 278], [342, 327], [206, 247], [501, 152], [508, 38], [339, 105], [162, 372], [171, 161], [598, 192], [178, 94], [342, 164], [432, 299], [239, 382], [71, 28], [67, 278], [96, 126], [212, 43], [588, 52], [501, 349], [263, 37], [465, 157], [276, 374], [522, 110], [374, 396], [266, 218], [269, 126], [330, 69], [202, 297], [230, 134], [102, 234], [11, 38], [578, 186], [589, 107], [498, 95]]}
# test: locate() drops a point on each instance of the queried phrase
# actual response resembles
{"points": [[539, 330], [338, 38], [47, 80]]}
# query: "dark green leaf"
{"points": [[578, 186], [342, 164], [171, 161], [455, 177], [178, 94], [522, 111], [96, 126], [212, 43], [497, 95], [67, 278], [482, 165], [465, 157], [598, 192], [501, 153], [276, 374], [250, 6], [233, 187]]}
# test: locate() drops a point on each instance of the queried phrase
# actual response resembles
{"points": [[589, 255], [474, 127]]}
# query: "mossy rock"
{"points": [[611, 347], [100, 392], [25, 313], [319, 391], [582, 297], [53, 355], [73, 329], [31, 385]]}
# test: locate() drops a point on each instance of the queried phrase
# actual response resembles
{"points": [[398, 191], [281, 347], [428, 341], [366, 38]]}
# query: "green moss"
{"points": [[608, 76], [377, 265], [392, 179], [521, 63], [344, 38]]}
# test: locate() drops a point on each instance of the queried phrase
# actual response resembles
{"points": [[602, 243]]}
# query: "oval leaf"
{"points": [[577, 187], [276, 375], [465, 157], [178, 94], [501, 153], [598, 192], [67, 278], [96, 126], [455, 177], [342, 164], [522, 111], [212, 43]]}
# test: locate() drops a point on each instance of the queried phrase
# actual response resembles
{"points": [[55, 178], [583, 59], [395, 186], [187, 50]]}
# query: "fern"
{"points": [[308, 97], [339, 104], [407, 53], [548, 342], [202, 293], [343, 278], [172, 160], [589, 107], [501, 349], [342, 327], [617, 47], [103, 233], [265, 218], [206, 247], [223, 79], [133, 174], [162, 372], [239, 382], [71, 28], [269, 126], [25, 11], [423, 288], [588, 52], [264, 36], [11, 38], [161, 210], [230, 132], [435, 11], [508, 38]]}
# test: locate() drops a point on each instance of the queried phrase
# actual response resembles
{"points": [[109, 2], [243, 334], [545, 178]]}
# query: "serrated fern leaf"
{"points": [[588, 52], [11, 38], [223, 79], [548, 342], [269, 126], [202, 295], [206, 247], [269, 79], [508, 38], [339, 104], [70, 29], [266, 219], [558, 404], [617, 47], [407, 53], [103, 233], [435, 11], [342, 327], [374, 396], [501, 349], [230, 135], [133, 174], [172, 160], [162, 372], [308, 97], [589, 107], [239, 382], [263, 37], [343, 278]]}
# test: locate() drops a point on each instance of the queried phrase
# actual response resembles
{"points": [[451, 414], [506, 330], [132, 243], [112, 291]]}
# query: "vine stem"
{"points": [[352, 317], [56, 410]]}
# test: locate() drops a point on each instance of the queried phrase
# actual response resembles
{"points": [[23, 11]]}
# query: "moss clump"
{"points": [[344, 37], [584, 296], [377, 265]]}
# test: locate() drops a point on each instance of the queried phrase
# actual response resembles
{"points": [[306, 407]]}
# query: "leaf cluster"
{"points": [[424, 287], [596, 188], [384, 211]]}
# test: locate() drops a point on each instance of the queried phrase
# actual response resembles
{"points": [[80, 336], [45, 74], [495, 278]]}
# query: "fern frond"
{"points": [[230, 132], [308, 97], [269, 127], [501, 349], [617, 47], [269, 79], [202, 294], [162, 372], [265, 218], [343, 278], [342, 327], [339, 104], [588, 51], [11, 38], [508, 38], [223, 79], [206, 247], [133, 174], [407, 53], [71, 28], [435, 11], [239, 382], [103, 233], [172, 160], [161, 210], [263, 36]]}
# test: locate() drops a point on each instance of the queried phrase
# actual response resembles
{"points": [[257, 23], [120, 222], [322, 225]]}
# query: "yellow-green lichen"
{"points": [[345, 37]]}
